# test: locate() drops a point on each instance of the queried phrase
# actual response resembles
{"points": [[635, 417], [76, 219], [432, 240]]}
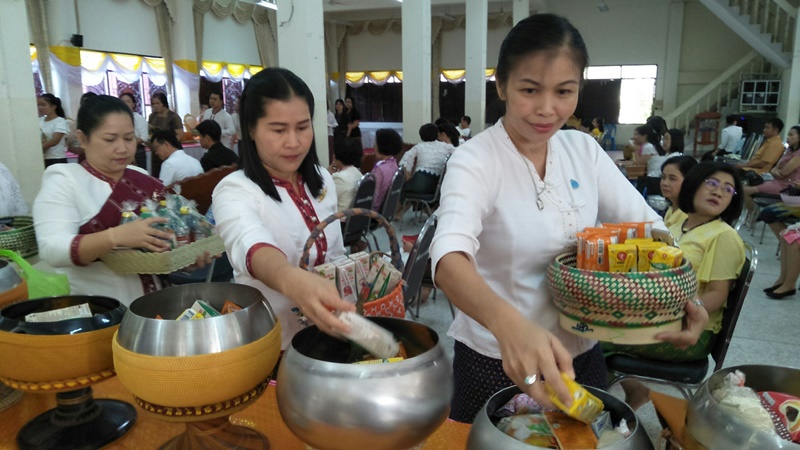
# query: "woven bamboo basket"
{"points": [[390, 305], [22, 238], [620, 307], [135, 261]]}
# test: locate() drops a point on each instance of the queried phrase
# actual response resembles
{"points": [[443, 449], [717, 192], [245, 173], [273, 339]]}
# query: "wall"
{"points": [[120, 26], [367, 52], [219, 36]]}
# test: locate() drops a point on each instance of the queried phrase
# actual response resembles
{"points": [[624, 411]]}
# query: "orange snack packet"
{"points": [[643, 229], [229, 307], [626, 231], [597, 250], [569, 432]]}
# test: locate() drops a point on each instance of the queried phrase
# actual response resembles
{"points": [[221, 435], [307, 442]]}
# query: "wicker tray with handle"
{"points": [[391, 304], [136, 261], [22, 238], [620, 307]]}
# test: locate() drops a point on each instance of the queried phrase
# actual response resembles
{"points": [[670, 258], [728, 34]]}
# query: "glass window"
{"points": [[603, 73], [636, 99]]}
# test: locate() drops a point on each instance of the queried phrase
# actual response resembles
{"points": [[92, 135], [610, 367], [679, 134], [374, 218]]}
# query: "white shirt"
{"points": [[48, 129], [246, 217], [178, 166], [489, 211], [225, 122], [140, 127], [430, 157], [332, 124], [729, 138], [70, 196], [655, 162], [346, 181], [11, 201]]}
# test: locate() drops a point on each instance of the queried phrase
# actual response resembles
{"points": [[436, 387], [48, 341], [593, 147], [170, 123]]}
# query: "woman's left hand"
{"points": [[202, 261], [693, 326]]}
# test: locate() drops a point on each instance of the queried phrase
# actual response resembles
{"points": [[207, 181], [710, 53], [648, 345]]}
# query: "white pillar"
{"points": [[19, 124], [187, 74], [301, 49], [475, 89], [520, 10], [790, 97], [416, 17], [668, 91], [61, 26]]}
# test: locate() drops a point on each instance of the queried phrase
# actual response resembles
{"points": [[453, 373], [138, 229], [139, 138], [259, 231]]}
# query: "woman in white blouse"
{"points": [[513, 199], [54, 129], [139, 127]]}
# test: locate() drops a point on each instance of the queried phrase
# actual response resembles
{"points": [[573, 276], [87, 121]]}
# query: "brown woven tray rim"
{"points": [[132, 261]]}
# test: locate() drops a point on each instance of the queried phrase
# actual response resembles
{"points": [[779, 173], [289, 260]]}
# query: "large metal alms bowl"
{"points": [[193, 370], [335, 406], [716, 428], [58, 356], [484, 435]]}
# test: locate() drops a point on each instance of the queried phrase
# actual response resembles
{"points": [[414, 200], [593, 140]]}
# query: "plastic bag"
{"points": [[40, 284]]}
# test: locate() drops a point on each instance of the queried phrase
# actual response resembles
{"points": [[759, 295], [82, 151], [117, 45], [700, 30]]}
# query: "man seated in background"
{"points": [[177, 164], [730, 136], [770, 151], [217, 155]]}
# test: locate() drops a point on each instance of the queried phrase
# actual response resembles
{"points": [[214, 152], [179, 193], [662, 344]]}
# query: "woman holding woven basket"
{"points": [[266, 210], [78, 209], [513, 199]]}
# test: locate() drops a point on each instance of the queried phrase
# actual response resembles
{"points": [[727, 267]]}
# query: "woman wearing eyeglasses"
{"points": [[712, 197]]}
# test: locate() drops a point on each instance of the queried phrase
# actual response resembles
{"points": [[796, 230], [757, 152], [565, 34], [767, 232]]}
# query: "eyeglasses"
{"points": [[712, 184]]}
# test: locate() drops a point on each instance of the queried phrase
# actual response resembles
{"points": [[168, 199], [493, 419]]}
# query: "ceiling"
{"points": [[359, 9]]}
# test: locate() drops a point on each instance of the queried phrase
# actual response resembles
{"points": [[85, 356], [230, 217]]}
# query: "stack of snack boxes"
{"points": [[624, 247], [356, 278]]}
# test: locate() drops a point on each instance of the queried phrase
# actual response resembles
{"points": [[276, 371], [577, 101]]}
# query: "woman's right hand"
{"points": [[528, 349], [140, 234], [317, 298]]}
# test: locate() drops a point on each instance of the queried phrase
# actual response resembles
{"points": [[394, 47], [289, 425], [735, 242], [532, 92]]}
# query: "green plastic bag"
{"points": [[40, 284]]}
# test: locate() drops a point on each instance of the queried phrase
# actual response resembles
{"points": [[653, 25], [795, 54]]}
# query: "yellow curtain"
{"points": [[454, 74], [380, 76], [255, 69], [355, 77], [33, 53], [127, 62], [156, 64], [93, 61]]}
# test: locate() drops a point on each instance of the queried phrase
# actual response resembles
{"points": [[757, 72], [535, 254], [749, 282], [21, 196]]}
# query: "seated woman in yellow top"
{"points": [[711, 195], [672, 173]]}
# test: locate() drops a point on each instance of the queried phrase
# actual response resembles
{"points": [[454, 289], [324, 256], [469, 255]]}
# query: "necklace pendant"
{"points": [[539, 203]]}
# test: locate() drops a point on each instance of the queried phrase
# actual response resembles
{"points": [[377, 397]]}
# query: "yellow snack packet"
{"points": [[585, 406], [622, 258], [646, 251], [666, 257], [638, 241]]}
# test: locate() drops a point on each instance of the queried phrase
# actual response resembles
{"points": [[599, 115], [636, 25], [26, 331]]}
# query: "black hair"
{"points": [[450, 130], [796, 128], [271, 84], [587, 123], [162, 97], [600, 124], [338, 100], [218, 93], [428, 132], [677, 144], [685, 163], [776, 123], [440, 121], [730, 119], [657, 123], [653, 137], [96, 109], [124, 94], [348, 151], [696, 178], [388, 141], [468, 119], [211, 129], [166, 136], [54, 101], [88, 95], [540, 33]]}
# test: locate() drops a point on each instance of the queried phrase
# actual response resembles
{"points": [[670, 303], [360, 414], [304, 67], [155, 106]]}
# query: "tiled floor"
{"points": [[765, 334]]}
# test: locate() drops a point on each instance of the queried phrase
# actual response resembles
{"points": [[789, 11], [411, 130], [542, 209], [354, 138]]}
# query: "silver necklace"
{"points": [[539, 191]]}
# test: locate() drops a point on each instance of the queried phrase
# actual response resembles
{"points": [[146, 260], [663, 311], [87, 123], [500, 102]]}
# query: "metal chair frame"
{"points": [[719, 350], [417, 261], [390, 202], [356, 227]]}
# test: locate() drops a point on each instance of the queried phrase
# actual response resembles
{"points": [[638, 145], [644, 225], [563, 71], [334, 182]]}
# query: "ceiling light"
{"points": [[602, 7], [268, 4]]}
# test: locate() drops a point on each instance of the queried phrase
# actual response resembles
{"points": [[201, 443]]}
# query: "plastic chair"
{"points": [[426, 201], [200, 187], [608, 140], [356, 227], [418, 260], [687, 376], [390, 202]]}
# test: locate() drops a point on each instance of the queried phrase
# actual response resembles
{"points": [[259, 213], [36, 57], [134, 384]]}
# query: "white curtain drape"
{"points": [[37, 21]]}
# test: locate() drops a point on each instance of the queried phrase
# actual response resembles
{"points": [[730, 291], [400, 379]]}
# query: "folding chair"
{"points": [[687, 376], [426, 201], [609, 138], [417, 262], [356, 227], [390, 202]]}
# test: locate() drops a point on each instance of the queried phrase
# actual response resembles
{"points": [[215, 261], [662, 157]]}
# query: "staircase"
{"points": [[767, 25]]}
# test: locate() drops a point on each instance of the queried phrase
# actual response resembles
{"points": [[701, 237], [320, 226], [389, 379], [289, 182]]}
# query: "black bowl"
{"points": [[106, 312]]}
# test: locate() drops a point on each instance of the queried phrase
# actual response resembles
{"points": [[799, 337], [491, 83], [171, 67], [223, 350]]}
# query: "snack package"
{"points": [[602, 423], [646, 251], [209, 311], [585, 406], [375, 272], [346, 279], [380, 361], [743, 402], [596, 257], [666, 258], [569, 432], [643, 229], [784, 410], [622, 258], [519, 404], [327, 271], [56, 315], [372, 337], [580, 252], [362, 266], [626, 231], [229, 307], [531, 429]]}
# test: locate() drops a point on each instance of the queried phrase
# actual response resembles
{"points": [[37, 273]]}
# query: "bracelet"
{"points": [[699, 303]]}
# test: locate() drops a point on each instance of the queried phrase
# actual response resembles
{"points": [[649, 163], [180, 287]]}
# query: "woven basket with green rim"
{"points": [[622, 300], [22, 238]]}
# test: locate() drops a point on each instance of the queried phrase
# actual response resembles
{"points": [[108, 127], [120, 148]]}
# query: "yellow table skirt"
{"points": [[150, 433]]}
